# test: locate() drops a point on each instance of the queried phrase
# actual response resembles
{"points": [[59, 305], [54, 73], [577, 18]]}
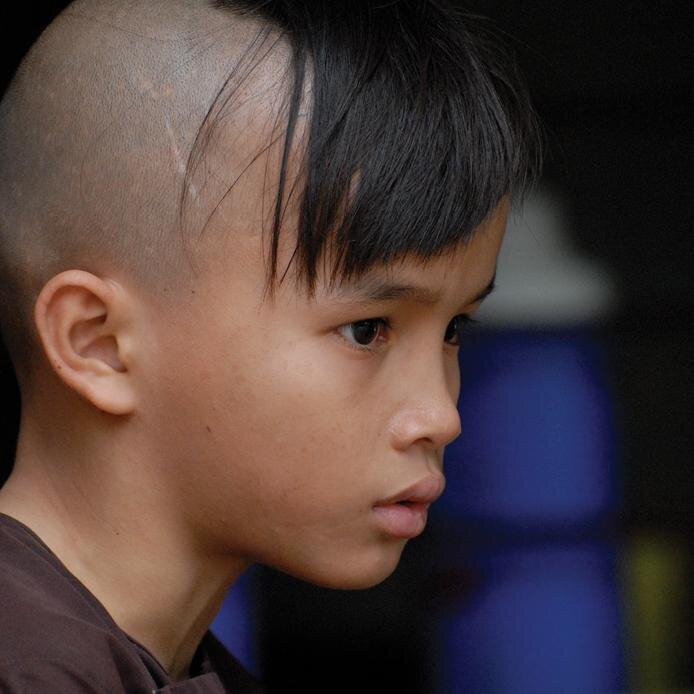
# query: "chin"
{"points": [[351, 573]]}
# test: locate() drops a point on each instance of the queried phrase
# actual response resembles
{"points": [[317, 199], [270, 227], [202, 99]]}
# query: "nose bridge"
{"points": [[428, 411]]}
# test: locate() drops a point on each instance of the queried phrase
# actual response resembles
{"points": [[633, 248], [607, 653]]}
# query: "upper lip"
{"points": [[425, 491]]}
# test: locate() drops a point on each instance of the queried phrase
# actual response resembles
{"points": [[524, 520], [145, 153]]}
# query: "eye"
{"points": [[364, 334], [455, 329]]}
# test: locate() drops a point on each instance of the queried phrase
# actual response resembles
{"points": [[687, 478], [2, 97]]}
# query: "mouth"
{"points": [[403, 519], [425, 491], [404, 515]]}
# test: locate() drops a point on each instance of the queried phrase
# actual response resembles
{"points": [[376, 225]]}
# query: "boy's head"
{"points": [[237, 239]]}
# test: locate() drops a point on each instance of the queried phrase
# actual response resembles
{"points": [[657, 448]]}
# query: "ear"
{"points": [[84, 325]]}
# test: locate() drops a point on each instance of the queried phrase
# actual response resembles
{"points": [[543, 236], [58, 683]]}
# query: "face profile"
{"points": [[241, 244], [347, 428]]}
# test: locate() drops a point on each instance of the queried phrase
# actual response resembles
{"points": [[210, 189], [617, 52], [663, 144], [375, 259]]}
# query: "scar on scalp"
{"points": [[180, 161]]}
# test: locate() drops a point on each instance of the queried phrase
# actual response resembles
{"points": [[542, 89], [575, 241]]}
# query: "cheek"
{"points": [[278, 453], [273, 430]]}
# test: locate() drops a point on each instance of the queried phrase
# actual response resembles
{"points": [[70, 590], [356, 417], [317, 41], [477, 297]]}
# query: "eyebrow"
{"points": [[372, 290]]}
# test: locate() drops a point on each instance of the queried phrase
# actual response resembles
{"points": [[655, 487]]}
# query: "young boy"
{"points": [[239, 243]]}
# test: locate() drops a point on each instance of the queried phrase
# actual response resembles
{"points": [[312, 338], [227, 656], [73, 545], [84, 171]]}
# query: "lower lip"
{"points": [[403, 521]]}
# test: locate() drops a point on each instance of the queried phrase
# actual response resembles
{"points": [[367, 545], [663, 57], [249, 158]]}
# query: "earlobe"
{"points": [[80, 322]]}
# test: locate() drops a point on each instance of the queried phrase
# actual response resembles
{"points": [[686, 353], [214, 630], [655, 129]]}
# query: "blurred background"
{"points": [[559, 558]]}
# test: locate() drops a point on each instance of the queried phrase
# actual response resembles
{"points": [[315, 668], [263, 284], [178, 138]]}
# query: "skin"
{"points": [[179, 437]]}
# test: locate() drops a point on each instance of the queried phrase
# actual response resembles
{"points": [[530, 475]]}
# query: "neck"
{"points": [[119, 534]]}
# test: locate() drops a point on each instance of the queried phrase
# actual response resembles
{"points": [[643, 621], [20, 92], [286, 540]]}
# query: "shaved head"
{"points": [[129, 125], [98, 164]]}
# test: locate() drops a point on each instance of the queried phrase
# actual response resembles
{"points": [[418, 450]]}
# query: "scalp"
{"points": [[417, 128], [96, 131]]}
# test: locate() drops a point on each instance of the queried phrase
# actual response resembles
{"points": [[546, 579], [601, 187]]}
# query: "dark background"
{"points": [[613, 85]]}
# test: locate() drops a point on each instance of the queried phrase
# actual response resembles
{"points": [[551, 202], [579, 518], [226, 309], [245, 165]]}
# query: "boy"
{"points": [[239, 242]]}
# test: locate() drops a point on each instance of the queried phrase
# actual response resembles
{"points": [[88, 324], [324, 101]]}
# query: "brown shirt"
{"points": [[55, 636]]}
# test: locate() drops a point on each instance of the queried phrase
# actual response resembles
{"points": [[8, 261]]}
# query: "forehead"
{"points": [[468, 269], [459, 277]]}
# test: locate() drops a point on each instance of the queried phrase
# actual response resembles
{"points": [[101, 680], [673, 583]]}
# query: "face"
{"points": [[284, 425]]}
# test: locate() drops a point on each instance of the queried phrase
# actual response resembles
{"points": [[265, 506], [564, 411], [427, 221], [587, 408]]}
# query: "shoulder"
{"points": [[55, 636], [44, 651], [43, 608], [41, 675], [50, 652]]}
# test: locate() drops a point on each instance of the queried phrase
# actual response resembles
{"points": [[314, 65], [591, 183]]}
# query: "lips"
{"points": [[425, 491], [404, 515]]}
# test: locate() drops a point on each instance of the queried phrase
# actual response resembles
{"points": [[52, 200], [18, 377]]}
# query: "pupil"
{"points": [[365, 331]]}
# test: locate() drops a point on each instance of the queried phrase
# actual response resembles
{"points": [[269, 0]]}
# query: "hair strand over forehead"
{"points": [[419, 126]]}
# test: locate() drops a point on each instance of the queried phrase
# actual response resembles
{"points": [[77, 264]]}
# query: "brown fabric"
{"points": [[55, 636]]}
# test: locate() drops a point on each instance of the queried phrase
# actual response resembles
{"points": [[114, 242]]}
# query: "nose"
{"points": [[428, 416]]}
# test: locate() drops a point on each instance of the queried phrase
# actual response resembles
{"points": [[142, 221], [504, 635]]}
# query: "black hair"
{"points": [[419, 125]]}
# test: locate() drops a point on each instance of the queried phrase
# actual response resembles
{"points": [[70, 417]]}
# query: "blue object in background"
{"points": [[532, 487], [545, 620], [537, 446], [234, 623]]}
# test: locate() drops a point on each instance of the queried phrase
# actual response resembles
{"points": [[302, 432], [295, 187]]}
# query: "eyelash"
{"points": [[385, 323]]}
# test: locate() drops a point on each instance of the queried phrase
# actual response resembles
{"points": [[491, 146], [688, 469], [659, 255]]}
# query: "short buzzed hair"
{"points": [[418, 125]]}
